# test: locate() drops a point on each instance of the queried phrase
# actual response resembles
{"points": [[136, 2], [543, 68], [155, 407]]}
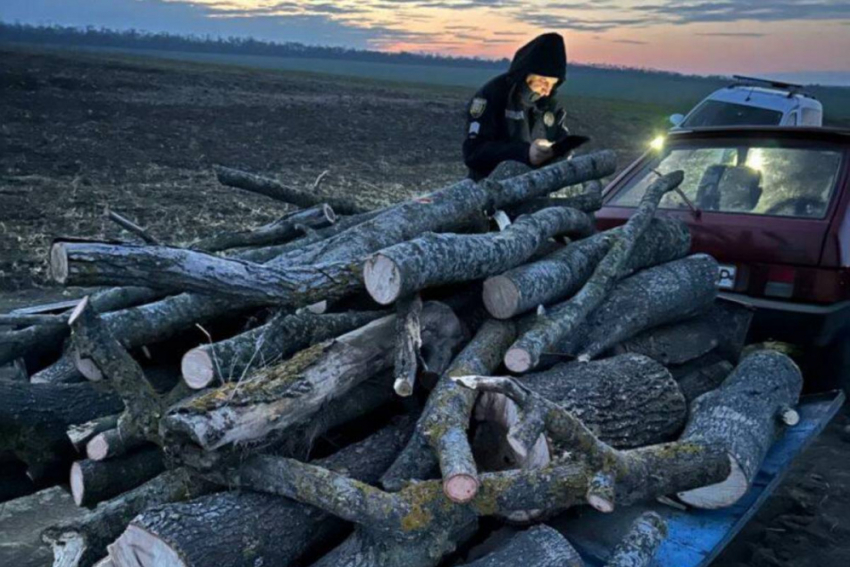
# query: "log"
{"points": [[439, 441], [669, 292], [248, 528], [702, 375], [408, 344], [280, 192], [112, 443], [282, 395], [588, 201], [79, 435], [641, 543], [27, 320], [42, 341], [82, 541], [280, 231], [438, 259], [95, 481], [629, 400], [540, 546], [742, 417], [561, 323], [15, 371], [562, 273], [131, 227], [449, 209], [283, 336], [34, 419], [723, 327]]}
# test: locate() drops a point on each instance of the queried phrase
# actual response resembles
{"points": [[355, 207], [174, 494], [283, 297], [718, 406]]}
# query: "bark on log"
{"points": [[629, 401], [540, 546], [95, 481], [438, 259], [283, 336], [702, 375], [280, 192], [34, 419], [113, 443], [588, 201], [285, 394], [408, 344], [280, 231], [562, 274], [526, 352], [83, 541], [741, 417], [723, 327], [244, 529], [439, 441], [444, 210], [641, 543], [669, 292]]}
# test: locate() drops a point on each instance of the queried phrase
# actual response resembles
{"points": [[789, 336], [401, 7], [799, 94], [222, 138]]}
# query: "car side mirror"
{"points": [[677, 119]]}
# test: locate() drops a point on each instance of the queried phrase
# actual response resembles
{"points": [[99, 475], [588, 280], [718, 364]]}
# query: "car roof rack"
{"points": [[791, 88]]}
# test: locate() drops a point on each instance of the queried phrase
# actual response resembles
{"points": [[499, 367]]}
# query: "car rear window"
{"points": [[717, 113], [758, 179]]}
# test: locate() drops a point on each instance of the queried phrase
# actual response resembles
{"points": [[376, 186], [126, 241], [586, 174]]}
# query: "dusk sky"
{"points": [[711, 36]]}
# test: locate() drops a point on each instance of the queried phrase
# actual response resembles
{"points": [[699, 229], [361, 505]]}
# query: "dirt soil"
{"points": [[80, 132]]}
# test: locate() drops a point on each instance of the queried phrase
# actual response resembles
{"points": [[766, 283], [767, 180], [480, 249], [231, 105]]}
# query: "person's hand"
{"points": [[540, 152]]}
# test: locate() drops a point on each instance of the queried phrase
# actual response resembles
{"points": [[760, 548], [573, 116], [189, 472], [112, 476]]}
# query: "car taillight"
{"points": [[780, 282]]}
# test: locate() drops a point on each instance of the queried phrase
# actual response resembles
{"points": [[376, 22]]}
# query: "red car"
{"points": [[771, 204]]}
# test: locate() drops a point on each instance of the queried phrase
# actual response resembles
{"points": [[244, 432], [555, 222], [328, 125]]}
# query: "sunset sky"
{"points": [[711, 36]]}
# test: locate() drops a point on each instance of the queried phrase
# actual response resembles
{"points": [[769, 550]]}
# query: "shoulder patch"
{"points": [[476, 109], [474, 128]]}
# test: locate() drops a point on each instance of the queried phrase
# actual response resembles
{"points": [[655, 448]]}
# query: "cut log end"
{"points": [[501, 297], [197, 368], [87, 368], [383, 279], [141, 548], [78, 310], [461, 488], [329, 213], [68, 548], [59, 263], [720, 495], [788, 416], [518, 360], [98, 448], [403, 387], [600, 504], [78, 485]]}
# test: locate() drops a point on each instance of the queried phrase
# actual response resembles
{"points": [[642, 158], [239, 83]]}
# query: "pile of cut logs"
{"points": [[363, 389]]}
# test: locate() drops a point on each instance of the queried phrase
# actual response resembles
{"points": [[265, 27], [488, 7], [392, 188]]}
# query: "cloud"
{"points": [[746, 10], [630, 41], [731, 34]]}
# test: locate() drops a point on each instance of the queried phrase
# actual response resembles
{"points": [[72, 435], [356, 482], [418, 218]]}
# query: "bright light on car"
{"points": [[657, 144], [755, 160]]}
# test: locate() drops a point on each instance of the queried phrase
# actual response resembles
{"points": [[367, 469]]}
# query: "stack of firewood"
{"points": [[368, 386]]}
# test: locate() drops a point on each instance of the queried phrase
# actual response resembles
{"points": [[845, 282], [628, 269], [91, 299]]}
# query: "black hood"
{"points": [[544, 55]]}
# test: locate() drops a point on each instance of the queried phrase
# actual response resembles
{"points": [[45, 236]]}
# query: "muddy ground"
{"points": [[80, 132]]}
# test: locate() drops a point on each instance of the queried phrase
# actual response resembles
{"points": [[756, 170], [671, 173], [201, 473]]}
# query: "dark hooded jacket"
{"points": [[498, 126]]}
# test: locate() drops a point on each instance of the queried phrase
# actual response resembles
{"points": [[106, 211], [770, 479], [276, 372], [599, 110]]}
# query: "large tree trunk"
{"points": [[702, 375], [562, 273], [722, 328], [526, 352], [743, 417], [669, 292], [248, 528], [83, 541], [629, 400], [280, 192], [285, 394], [283, 336], [438, 259]]}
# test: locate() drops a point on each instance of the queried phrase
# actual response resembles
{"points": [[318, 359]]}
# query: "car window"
{"points": [[811, 117], [795, 182], [717, 113]]}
